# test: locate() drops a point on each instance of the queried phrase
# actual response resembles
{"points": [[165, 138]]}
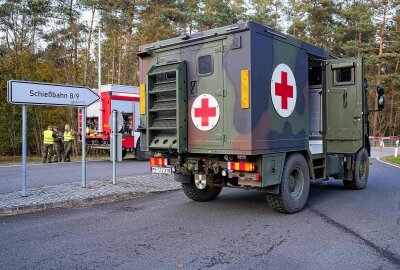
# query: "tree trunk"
{"points": [[120, 61], [85, 71], [390, 124], [113, 62], [75, 55]]}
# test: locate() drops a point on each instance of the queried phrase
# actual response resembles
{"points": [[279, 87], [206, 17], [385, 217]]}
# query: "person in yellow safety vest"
{"points": [[48, 142], [69, 138]]}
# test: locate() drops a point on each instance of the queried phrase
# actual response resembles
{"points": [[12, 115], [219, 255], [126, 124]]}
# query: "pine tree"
{"points": [[320, 22], [267, 12]]}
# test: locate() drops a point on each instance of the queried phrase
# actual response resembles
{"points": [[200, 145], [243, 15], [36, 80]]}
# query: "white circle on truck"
{"points": [[283, 90], [205, 112]]}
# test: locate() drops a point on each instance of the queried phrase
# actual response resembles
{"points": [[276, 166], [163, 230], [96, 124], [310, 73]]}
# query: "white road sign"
{"points": [[37, 93]]}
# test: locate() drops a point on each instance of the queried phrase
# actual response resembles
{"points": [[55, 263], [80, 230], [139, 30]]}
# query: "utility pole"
{"points": [[381, 44]]}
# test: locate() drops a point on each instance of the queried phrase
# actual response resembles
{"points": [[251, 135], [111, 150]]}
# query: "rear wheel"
{"points": [[294, 186], [201, 195], [360, 172]]}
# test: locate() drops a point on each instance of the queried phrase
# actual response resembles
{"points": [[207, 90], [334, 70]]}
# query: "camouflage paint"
{"points": [[259, 129]]}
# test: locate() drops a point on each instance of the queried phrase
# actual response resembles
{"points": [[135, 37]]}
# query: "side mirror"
{"points": [[381, 97]]}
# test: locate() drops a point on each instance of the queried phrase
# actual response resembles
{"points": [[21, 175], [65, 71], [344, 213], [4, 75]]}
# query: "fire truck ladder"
{"points": [[167, 107]]}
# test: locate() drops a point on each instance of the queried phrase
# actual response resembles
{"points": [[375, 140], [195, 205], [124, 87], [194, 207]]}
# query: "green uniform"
{"points": [[48, 139], [69, 137], [58, 146]]}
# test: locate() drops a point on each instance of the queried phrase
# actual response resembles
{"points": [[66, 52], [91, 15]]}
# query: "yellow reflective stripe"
{"points": [[245, 101], [142, 98]]}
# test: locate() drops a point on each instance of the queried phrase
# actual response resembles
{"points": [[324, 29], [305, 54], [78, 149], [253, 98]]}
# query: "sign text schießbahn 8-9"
{"points": [[35, 93]]}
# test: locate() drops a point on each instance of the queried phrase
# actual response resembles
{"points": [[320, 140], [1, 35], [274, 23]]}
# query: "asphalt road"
{"points": [[40, 174], [339, 229]]}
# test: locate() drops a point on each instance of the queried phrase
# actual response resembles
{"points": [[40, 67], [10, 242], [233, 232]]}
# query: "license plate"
{"points": [[162, 170]]}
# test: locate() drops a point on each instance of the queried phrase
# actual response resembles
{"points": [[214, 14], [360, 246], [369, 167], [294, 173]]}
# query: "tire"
{"points": [[201, 195], [360, 172], [140, 155], [294, 186], [123, 153]]}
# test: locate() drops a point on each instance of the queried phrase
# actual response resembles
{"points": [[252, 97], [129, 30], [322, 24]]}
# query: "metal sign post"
{"points": [[36, 93], [99, 78], [24, 124], [84, 147], [114, 148]]}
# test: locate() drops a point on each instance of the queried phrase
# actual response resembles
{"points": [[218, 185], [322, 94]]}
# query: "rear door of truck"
{"points": [[206, 96]]}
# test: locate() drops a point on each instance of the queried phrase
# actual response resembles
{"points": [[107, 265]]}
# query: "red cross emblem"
{"points": [[205, 112], [284, 90]]}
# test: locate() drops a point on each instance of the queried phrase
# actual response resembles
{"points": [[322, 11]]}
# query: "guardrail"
{"points": [[388, 141]]}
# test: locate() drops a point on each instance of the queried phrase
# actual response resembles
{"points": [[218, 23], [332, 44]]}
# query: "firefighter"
{"points": [[58, 146], [94, 125], [48, 142], [69, 137]]}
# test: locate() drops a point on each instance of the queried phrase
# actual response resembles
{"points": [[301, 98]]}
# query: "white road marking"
{"points": [[396, 166]]}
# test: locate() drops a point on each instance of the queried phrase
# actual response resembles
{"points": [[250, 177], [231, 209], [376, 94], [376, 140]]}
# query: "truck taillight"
{"points": [[159, 161], [241, 166]]}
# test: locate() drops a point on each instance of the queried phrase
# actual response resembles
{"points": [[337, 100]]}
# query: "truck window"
{"points": [[343, 76], [204, 65]]}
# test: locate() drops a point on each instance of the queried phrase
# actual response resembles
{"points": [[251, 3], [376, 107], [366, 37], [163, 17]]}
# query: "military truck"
{"points": [[247, 107]]}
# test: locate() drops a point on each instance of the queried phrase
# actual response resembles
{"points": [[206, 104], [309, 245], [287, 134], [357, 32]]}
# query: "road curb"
{"points": [[16, 210], [388, 163]]}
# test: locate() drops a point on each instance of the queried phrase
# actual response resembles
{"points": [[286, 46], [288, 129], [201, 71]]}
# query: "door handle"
{"points": [[193, 88], [320, 113], [344, 98]]}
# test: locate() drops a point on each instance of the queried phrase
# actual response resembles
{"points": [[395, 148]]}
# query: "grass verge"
{"points": [[392, 159]]}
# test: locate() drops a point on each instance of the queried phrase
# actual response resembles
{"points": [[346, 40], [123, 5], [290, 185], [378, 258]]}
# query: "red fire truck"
{"points": [[114, 97]]}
